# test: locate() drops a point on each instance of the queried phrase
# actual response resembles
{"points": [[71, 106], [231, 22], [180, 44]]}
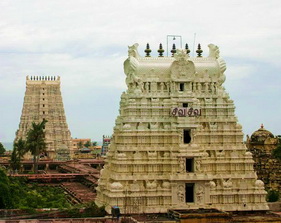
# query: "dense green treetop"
{"points": [[276, 153], [17, 154], [2, 149], [35, 141], [87, 144], [16, 193]]}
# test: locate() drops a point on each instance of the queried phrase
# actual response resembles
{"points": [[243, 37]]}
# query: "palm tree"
{"points": [[20, 146], [80, 145], [87, 144], [35, 142], [2, 149], [18, 152]]}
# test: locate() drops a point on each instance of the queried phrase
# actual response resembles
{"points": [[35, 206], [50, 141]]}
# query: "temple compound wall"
{"points": [[176, 142], [43, 100]]}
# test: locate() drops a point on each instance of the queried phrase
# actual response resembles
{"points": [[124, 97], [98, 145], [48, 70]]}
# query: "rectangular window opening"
{"points": [[181, 86], [189, 163], [189, 193], [186, 136], [185, 105]]}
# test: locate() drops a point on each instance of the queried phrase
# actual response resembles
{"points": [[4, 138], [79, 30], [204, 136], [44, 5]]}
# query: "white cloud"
{"points": [[86, 43], [237, 72]]}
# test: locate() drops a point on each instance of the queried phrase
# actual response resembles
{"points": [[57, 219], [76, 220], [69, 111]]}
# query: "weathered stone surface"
{"points": [[261, 143]]}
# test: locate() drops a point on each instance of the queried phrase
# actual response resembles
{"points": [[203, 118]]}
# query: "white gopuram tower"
{"points": [[177, 142], [43, 100]]}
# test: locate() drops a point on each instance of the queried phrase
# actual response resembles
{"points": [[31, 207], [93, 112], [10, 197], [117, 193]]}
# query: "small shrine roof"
{"points": [[261, 135]]}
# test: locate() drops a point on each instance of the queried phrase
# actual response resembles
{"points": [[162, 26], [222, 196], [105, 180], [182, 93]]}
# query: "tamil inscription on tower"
{"points": [[43, 100], [177, 142]]}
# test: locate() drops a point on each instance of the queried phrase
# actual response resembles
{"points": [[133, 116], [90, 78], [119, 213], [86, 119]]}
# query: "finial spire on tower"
{"points": [[160, 50], [199, 51], [147, 50], [173, 51], [187, 49]]}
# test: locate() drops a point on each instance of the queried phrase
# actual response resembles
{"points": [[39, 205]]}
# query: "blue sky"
{"points": [[85, 42]]}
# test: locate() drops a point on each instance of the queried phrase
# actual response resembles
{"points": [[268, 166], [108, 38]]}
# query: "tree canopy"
{"points": [[35, 141], [276, 153], [87, 144], [2, 149], [16, 193], [5, 193], [17, 154], [80, 145]]}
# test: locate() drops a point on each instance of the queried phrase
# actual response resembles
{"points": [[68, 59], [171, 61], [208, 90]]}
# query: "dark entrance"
{"points": [[181, 86], [189, 193], [189, 164], [186, 136]]}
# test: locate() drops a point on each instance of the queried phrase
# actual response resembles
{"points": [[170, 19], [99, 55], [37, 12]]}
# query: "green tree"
{"points": [[18, 151], [15, 161], [95, 143], [6, 200], [35, 141], [86, 210], [2, 149], [87, 144], [276, 153], [17, 193], [80, 145], [272, 196]]}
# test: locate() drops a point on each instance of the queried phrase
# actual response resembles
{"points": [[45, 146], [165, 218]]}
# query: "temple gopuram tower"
{"points": [[261, 144], [43, 100], [177, 143]]}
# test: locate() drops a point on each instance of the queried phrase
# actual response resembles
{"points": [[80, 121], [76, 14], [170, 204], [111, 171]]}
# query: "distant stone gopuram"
{"points": [[177, 142], [261, 144], [43, 100]]}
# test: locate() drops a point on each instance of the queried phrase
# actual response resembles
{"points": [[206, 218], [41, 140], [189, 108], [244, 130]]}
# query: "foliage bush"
{"points": [[272, 196], [6, 200], [90, 210], [2, 149], [16, 193], [276, 153]]}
